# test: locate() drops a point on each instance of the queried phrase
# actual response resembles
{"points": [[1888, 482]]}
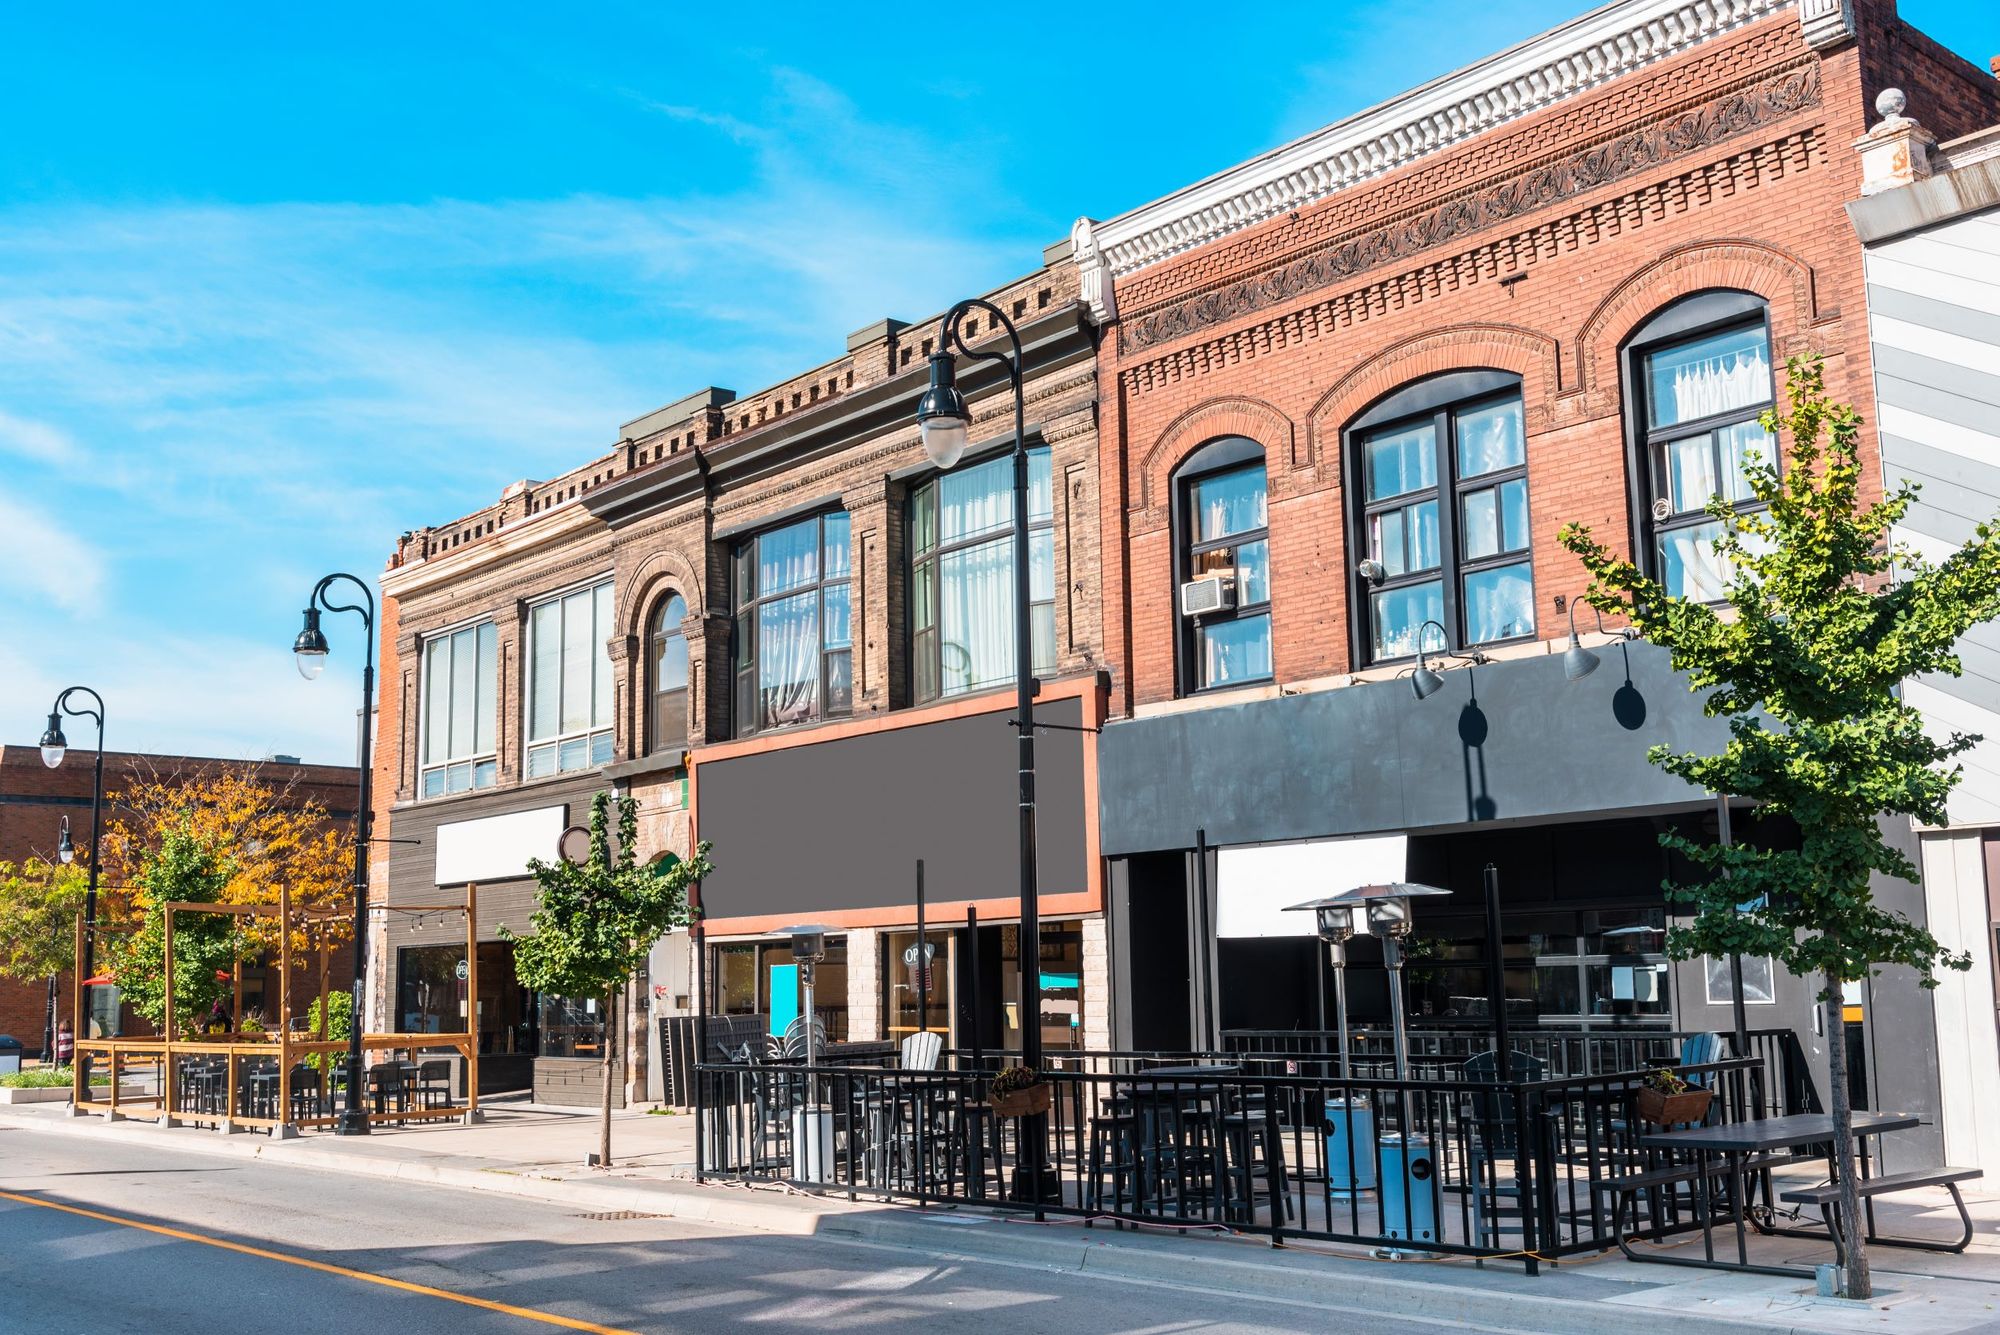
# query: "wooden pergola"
{"points": [[274, 1110]]}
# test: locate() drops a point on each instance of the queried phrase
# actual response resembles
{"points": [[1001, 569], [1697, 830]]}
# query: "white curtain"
{"points": [[1729, 379], [788, 659], [788, 558], [976, 616]]}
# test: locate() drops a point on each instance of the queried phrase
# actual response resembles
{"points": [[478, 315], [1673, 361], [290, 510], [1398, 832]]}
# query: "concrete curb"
{"points": [[1498, 1298]]}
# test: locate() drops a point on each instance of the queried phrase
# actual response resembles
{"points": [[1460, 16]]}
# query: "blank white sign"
{"points": [[1256, 883], [497, 848]]}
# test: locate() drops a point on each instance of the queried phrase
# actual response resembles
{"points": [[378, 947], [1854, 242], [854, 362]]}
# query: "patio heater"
{"points": [[1409, 1179], [812, 1122], [1350, 1118]]}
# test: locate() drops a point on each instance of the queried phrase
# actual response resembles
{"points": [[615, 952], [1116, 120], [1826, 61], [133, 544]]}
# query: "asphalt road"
{"points": [[137, 1261]]}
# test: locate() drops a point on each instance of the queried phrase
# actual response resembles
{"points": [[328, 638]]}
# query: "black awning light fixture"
{"points": [[1579, 662], [1425, 679], [65, 850]]}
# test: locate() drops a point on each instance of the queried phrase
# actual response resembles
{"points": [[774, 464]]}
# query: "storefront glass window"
{"points": [[746, 972], [571, 1027], [906, 981], [430, 998], [1061, 1007]]}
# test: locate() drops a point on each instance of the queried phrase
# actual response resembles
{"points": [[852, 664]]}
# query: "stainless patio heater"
{"points": [[812, 1123], [1387, 908], [1350, 1118]]}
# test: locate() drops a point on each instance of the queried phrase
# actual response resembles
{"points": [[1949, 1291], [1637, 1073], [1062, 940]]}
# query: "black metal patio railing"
{"points": [[1447, 1166]]}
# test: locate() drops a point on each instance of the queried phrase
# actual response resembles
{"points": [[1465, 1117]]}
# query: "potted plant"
{"points": [[1019, 1091], [1668, 1100]]}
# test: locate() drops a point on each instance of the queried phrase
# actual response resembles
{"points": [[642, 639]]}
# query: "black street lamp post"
{"points": [[944, 419], [310, 650], [54, 747]]}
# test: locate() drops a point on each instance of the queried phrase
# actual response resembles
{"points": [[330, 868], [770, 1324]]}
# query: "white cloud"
{"points": [[35, 440], [42, 562]]}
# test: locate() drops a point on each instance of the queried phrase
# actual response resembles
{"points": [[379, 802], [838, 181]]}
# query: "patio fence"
{"points": [[1452, 1166]]}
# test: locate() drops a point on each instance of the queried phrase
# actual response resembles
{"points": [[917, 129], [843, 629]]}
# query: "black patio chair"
{"points": [[434, 1083], [1492, 1126]]}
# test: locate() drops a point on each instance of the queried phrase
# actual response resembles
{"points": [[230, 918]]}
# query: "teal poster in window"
{"points": [[784, 997]]}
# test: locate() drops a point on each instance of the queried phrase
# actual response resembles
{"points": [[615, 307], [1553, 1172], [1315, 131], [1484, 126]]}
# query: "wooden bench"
{"points": [[1827, 1197]]}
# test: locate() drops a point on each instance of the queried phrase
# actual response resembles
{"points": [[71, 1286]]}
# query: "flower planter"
{"points": [[1029, 1102], [1674, 1109]]}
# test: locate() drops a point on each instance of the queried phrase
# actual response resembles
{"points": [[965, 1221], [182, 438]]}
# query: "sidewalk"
{"points": [[539, 1152]]}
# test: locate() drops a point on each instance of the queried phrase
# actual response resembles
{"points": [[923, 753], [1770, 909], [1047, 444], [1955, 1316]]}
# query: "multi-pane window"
{"points": [[569, 682], [1703, 392], [1444, 515], [962, 601], [670, 674], [1222, 526], [794, 646], [459, 750]]}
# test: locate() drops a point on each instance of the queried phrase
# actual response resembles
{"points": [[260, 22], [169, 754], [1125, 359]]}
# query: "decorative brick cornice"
{"points": [[1560, 64], [1763, 102], [1250, 418], [1743, 169]]}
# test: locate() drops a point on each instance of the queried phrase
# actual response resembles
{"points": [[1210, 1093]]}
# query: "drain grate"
{"points": [[606, 1215]]}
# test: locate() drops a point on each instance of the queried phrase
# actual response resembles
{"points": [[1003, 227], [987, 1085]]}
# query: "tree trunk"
{"points": [[610, 1038], [1859, 1284]]}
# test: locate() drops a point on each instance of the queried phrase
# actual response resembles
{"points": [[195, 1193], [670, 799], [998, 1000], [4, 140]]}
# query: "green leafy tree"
{"points": [[39, 904], [338, 1009], [1822, 622], [180, 866], [595, 920]]}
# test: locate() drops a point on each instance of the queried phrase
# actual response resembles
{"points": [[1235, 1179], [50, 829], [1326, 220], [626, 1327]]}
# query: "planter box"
{"points": [[1029, 1102], [1674, 1109], [61, 1094]]}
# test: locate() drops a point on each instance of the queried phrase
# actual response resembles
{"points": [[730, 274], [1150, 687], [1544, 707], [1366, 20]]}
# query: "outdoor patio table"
{"points": [[1739, 1143], [1158, 1096]]}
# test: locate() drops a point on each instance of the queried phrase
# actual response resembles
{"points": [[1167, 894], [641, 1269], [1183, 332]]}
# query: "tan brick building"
{"points": [[770, 621], [1353, 388], [35, 801]]}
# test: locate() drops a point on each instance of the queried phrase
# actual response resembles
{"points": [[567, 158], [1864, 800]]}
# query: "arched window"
{"points": [[1223, 539], [669, 657], [1439, 473], [1697, 376]]}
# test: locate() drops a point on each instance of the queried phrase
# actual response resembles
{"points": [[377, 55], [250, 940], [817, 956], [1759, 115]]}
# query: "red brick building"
{"points": [[35, 800], [1352, 389]]}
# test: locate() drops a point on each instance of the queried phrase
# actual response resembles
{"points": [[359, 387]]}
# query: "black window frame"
{"points": [[1215, 458], [913, 637], [743, 610], [658, 737], [1438, 400], [1683, 320]]}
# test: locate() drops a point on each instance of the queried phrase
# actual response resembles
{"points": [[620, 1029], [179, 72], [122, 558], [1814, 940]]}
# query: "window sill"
{"points": [[658, 762]]}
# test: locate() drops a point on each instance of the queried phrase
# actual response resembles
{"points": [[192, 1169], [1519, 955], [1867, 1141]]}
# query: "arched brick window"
{"points": [[667, 657], [1439, 477], [1697, 377]]}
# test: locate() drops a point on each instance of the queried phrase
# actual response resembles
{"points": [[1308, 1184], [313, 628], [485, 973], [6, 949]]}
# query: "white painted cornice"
{"points": [[1560, 64], [529, 534]]}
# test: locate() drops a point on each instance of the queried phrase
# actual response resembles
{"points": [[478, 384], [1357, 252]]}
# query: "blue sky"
{"points": [[279, 282]]}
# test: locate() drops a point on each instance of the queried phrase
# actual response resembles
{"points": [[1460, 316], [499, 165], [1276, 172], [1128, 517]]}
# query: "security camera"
{"points": [[1371, 570]]}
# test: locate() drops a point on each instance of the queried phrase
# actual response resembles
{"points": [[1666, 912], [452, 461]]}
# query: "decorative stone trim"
{"points": [[1528, 353], [1506, 255], [1251, 418], [1554, 67], [1742, 263], [1763, 102]]}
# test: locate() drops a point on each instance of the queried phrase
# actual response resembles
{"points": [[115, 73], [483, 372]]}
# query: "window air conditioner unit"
{"points": [[1217, 593]]}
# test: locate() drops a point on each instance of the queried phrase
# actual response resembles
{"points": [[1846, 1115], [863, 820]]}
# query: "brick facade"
{"points": [[34, 799], [1535, 248], [661, 515]]}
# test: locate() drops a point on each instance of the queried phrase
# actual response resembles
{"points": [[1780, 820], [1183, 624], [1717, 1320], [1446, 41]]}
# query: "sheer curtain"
{"points": [[976, 607], [788, 659]]}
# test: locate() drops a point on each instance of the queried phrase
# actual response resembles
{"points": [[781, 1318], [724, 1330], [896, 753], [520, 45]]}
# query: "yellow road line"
{"points": [[525, 1313]]}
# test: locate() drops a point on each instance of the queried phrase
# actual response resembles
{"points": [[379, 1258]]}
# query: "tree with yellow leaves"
{"points": [[221, 836]]}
